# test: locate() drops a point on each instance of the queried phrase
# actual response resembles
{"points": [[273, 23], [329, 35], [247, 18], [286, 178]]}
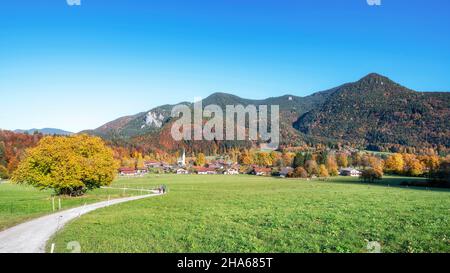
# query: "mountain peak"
{"points": [[223, 99], [375, 77], [374, 81], [220, 95]]}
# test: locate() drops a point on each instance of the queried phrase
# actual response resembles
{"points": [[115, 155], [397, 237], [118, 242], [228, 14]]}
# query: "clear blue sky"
{"points": [[78, 67]]}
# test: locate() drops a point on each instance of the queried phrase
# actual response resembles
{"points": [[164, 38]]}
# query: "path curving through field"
{"points": [[32, 236]]}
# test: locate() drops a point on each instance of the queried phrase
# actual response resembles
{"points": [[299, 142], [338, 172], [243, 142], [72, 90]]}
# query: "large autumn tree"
{"points": [[69, 165]]}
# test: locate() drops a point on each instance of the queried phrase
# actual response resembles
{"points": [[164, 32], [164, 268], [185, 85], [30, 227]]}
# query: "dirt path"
{"points": [[32, 236]]}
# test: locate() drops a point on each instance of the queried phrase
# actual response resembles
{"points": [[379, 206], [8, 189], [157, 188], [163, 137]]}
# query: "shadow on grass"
{"points": [[387, 181]]}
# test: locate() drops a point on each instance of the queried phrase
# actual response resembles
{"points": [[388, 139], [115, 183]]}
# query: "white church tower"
{"points": [[182, 159]]}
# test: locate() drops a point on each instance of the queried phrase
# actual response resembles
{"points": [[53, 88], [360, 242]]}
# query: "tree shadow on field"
{"points": [[391, 181]]}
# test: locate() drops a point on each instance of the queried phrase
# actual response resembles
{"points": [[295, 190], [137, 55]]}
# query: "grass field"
{"points": [[381, 154], [19, 203], [257, 214]]}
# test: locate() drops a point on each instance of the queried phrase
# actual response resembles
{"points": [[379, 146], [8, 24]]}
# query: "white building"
{"points": [[203, 170], [182, 171], [349, 172], [128, 172], [231, 172]]}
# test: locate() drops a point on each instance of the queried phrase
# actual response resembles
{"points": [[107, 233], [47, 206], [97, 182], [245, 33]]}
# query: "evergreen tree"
{"points": [[299, 160]]}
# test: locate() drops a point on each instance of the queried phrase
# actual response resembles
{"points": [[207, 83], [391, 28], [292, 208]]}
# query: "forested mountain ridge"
{"points": [[376, 110], [154, 120]]}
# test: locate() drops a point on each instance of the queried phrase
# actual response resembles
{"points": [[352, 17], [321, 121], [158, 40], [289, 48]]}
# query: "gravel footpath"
{"points": [[32, 236]]}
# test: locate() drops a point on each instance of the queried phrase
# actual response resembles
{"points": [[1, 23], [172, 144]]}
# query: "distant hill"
{"points": [[45, 131], [374, 110]]}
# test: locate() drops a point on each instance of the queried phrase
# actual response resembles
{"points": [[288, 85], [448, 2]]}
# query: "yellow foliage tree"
{"points": [[287, 159], [395, 163], [376, 164], [413, 166], [263, 159], [311, 167], [416, 168], [323, 172], [140, 163], [275, 158], [431, 162], [342, 160], [200, 160], [68, 165], [128, 162], [3, 172], [233, 154]]}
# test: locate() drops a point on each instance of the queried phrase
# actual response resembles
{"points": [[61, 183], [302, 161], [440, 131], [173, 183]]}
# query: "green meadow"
{"points": [[19, 203], [262, 214]]}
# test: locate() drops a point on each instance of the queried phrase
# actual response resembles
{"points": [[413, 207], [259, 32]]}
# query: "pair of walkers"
{"points": [[162, 189]]}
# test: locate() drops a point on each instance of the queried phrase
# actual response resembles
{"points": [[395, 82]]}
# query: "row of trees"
{"points": [[323, 164], [73, 165], [285, 159], [413, 165], [248, 157], [133, 158], [373, 166], [12, 149]]}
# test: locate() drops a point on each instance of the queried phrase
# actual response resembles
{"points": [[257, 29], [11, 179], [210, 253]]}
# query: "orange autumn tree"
{"points": [[332, 166], [245, 158], [68, 165]]}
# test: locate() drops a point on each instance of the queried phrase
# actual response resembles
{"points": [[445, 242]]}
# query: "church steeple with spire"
{"points": [[182, 160]]}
